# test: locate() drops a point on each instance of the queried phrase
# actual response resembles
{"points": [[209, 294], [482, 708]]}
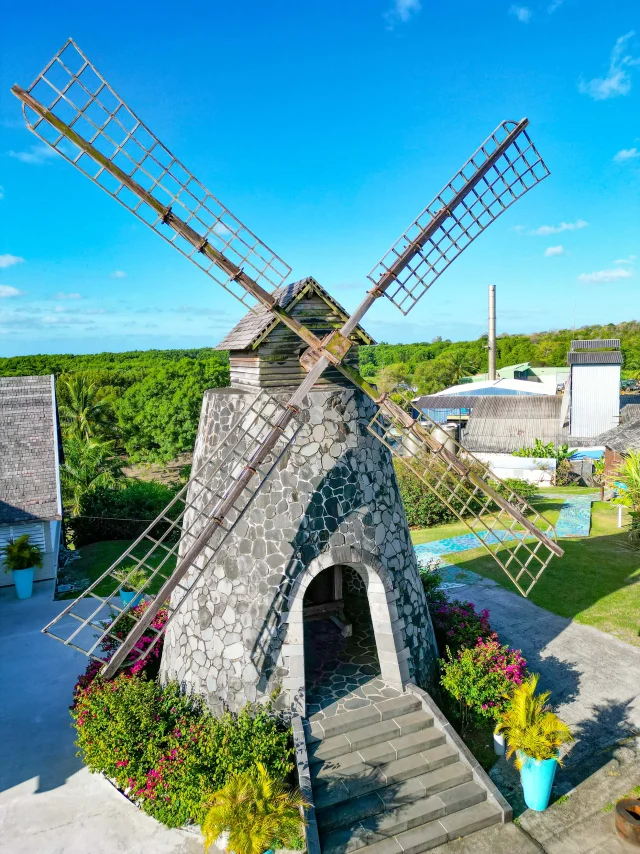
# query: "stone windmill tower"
{"points": [[329, 515], [292, 482]]}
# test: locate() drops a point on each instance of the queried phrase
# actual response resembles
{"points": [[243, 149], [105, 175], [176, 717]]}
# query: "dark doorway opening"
{"points": [[342, 669]]}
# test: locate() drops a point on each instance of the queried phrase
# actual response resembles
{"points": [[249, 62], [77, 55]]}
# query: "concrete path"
{"points": [[594, 678], [49, 803]]}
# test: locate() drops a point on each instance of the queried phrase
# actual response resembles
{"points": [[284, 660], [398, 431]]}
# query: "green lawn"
{"points": [[597, 582], [98, 557]]}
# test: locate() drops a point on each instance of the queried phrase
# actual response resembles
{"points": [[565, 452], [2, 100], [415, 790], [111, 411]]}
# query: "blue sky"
{"points": [[327, 127]]}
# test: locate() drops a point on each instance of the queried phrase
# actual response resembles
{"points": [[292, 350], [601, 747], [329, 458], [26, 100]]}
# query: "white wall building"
{"points": [[594, 386]]}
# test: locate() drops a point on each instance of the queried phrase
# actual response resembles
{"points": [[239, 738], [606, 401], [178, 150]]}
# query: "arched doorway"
{"points": [[345, 642]]}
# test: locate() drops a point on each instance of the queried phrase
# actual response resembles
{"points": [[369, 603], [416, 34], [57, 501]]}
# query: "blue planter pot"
{"points": [[131, 598], [23, 580], [537, 779]]}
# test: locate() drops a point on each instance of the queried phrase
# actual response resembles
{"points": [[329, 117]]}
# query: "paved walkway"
{"points": [[49, 803], [594, 678]]}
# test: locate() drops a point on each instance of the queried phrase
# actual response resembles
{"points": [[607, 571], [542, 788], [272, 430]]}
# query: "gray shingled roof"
{"points": [[586, 357], [29, 482], [256, 323], [504, 423], [623, 438]]}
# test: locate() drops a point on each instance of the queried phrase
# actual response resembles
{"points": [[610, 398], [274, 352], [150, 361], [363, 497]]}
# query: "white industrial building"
{"points": [[593, 398]]}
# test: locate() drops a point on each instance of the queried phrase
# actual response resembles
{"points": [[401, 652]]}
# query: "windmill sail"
{"points": [[73, 109], [504, 168], [174, 550], [516, 535]]}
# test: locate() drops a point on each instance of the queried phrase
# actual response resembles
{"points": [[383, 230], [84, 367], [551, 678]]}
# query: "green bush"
{"points": [[166, 750], [482, 678], [422, 507], [119, 514], [522, 488]]}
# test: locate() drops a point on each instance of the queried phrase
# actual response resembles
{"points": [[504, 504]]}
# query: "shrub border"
{"points": [[466, 756]]}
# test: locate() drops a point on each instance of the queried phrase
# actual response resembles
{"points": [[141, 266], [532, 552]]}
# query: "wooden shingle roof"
{"points": [[29, 476], [255, 325]]}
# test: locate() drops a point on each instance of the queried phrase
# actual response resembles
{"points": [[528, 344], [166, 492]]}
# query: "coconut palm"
{"points": [[87, 465], [530, 727], [628, 476], [85, 410], [256, 810], [463, 364]]}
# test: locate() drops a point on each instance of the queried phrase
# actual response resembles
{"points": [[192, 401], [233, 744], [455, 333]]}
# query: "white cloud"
{"points": [[521, 13], [9, 291], [402, 11], [35, 154], [546, 230], [617, 80], [603, 276], [555, 4], [118, 274], [62, 295], [1, 193], [9, 261], [550, 251], [630, 261], [626, 154]]}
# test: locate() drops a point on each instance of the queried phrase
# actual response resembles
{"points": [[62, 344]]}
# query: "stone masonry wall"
{"points": [[333, 498]]}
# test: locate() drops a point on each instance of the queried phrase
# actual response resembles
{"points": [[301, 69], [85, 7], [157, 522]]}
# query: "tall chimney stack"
{"points": [[492, 332]]}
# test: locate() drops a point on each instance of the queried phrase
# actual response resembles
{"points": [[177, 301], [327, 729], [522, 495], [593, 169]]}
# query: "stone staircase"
{"points": [[385, 780]]}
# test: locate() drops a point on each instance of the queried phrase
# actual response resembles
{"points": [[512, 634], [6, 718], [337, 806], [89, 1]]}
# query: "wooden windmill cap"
{"points": [[256, 325]]}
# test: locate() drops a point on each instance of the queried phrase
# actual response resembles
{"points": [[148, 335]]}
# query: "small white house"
{"points": [[30, 497]]}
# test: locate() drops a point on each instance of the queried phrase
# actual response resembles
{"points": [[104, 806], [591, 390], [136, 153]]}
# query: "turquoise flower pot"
{"points": [[23, 580], [130, 597], [537, 779]]}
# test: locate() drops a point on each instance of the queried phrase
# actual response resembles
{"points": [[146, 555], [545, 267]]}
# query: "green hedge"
{"points": [[119, 514], [166, 750]]}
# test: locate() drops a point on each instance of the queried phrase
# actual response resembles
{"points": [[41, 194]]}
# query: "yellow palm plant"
{"points": [[529, 726], [257, 811]]}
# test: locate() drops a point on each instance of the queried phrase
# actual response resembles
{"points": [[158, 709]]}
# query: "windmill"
{"points": [[261, 437]]}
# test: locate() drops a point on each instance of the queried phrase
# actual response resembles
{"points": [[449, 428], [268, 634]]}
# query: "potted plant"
{"points": [[133, 579], [253, 813], [534, 733], [21, 556]]}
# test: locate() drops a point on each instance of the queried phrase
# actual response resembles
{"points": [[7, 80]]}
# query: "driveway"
{"points": [[50, 803]]}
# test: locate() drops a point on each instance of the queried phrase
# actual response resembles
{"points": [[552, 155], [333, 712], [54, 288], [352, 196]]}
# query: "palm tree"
{"points": [[87, 465], [628, 475], [256, 810], [86, 412], [463, 364]]}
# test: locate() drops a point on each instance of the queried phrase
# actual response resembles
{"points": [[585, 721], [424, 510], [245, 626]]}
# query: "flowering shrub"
{"points": [[148, 664], [482, 678], [165, 749], [457, 625]]}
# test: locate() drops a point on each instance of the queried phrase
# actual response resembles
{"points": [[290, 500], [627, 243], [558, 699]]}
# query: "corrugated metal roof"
{"points": [[504, 424], [629, 411], [595, 343], [602, 357], [445, 401], [624, 438], [28, 450], [260, 322]]}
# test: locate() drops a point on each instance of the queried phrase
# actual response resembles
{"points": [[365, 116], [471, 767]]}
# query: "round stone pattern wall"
{"points": [[332, 499]]}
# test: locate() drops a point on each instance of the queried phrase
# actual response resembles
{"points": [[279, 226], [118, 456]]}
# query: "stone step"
{"points": [[320, 727], [434, 833], [389, 824], [366, 736], [359, 782], [350, 811], [357, 762]]}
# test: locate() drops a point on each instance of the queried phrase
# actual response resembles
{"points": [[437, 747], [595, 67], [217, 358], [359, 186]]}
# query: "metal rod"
{"points": [[492, 333]]}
